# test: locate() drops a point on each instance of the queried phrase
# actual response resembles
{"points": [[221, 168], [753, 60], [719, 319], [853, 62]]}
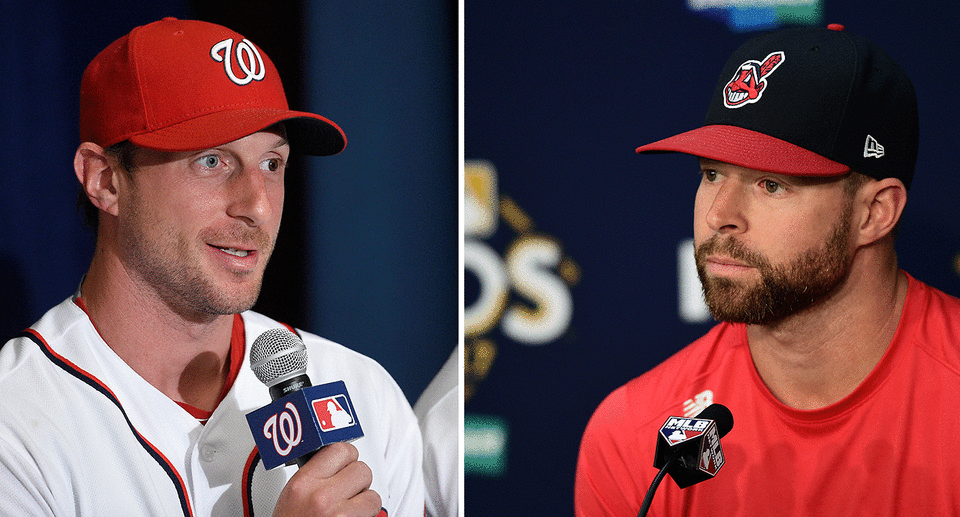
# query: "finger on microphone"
{"points": [[333, 482], [331, 459]]}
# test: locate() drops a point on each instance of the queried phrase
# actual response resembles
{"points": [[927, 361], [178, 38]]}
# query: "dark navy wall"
{"points": [[383, 238]]}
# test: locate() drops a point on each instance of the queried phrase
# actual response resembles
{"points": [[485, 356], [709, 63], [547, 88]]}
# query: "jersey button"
{"points": [[207, 452]]}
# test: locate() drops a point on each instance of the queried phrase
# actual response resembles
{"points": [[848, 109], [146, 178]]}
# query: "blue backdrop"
{"points": [[368, 252], [557, 97]]}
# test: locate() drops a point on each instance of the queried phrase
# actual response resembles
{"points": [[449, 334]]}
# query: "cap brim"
{"points": [[307, 133], [750, 149]]}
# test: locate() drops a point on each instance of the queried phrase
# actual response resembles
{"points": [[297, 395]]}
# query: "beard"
{"points": [[784, 289]]}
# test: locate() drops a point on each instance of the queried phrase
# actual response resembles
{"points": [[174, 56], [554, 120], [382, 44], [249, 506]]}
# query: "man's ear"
{"points": [[97, 172], [884, 201]]}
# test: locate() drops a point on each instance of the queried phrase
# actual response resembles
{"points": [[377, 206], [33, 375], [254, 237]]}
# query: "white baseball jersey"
{"points": [[438, 411], [81, 433]]}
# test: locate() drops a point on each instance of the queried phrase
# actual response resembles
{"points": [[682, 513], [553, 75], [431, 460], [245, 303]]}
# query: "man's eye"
{"points": [[272, 165], [772, 186], [709, 175], [210, 161]]}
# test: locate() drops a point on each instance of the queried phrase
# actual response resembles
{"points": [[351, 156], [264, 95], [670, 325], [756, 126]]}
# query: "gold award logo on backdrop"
{"points": [[525, 290]]}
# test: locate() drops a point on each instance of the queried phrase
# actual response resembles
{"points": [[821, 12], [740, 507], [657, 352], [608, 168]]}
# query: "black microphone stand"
{"points": [[645, 507]]}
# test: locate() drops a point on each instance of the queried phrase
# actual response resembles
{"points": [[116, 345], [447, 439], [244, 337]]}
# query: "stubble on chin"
{"points": [[170, 267]]}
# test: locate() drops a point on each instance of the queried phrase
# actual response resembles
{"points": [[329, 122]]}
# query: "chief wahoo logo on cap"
{"points": [[748, 83]]}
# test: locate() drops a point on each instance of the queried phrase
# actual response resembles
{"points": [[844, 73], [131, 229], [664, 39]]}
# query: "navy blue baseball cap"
{"points": [[809, 102]]}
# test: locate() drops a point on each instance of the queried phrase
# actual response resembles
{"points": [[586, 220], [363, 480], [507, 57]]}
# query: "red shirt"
{"points": [[892, 447]]}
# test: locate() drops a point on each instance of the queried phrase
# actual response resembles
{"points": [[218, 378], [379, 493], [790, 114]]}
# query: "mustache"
{"points": [[731, 248]]}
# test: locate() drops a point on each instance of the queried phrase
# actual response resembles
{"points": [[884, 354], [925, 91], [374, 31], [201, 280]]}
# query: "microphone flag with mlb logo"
{"points": [[302, 422]]}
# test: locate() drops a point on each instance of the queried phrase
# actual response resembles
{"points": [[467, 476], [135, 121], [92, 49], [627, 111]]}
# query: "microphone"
{"points": [[694, 443], [279, 359], [689, 449], [302, 418]]}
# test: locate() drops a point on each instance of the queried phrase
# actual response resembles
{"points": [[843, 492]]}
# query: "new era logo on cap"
{"points": [[872, 148]]}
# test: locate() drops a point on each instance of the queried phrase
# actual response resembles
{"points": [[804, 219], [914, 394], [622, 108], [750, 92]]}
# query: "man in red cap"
{"points": [[840, 369], [129, 397]]}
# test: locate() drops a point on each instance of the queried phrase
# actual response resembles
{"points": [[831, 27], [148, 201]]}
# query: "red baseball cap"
{"points": [[809, 102], [186, 85]]}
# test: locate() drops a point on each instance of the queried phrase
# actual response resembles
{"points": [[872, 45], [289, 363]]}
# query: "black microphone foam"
{"points": [[719, 414]]}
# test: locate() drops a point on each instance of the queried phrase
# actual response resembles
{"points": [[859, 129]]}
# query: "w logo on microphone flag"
{"points": [[302, 422]]}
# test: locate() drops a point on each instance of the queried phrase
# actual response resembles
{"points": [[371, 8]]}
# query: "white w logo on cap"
{"points": [[248, 59]]}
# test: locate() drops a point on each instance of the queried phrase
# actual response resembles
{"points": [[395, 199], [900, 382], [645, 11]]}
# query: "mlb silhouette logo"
{"points": [[681, 436], [333, 413]]}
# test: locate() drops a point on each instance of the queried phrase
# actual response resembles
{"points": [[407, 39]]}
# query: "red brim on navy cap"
{"points": [[808, 102], [750, 149]]}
